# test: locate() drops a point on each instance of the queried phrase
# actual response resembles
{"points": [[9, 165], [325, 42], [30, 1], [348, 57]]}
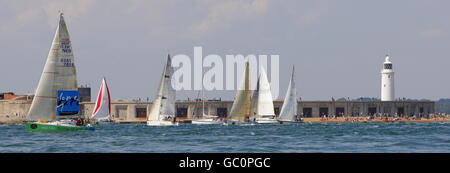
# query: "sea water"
{"points": [[190, 138]]}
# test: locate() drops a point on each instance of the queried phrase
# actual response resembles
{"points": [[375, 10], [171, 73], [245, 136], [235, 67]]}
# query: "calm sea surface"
{"points": [[292, 138]]}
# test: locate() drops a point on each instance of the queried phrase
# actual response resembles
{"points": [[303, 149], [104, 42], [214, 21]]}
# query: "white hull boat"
{"points": [[238, 123], [102, 107], [290, 122], [266, 120], [161, 123], [207, 121], [162, 112], [289, 112], [240, 110], [103, 121], [262, 102]]}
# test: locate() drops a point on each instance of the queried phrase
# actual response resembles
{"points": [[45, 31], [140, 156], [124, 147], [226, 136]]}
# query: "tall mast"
{"points": [[203, 101]]}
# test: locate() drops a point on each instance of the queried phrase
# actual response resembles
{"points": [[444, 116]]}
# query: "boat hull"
{"points": [[206, 121], [47, 127], [266, 121], [238, 123], [103, 122], [289, 122], [161, 123]]}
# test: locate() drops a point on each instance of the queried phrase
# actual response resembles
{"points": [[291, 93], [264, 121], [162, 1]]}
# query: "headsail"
{"points": [[254, 101], [59, 74], [241, 105], [102, 108], [289, 108], [265, 100], [164, 103]]}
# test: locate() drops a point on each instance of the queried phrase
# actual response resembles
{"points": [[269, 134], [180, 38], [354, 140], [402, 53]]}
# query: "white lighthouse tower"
{"points": [[387, 81]]}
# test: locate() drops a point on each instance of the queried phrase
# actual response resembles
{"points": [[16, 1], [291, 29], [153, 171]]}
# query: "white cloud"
{"points": [[188, 19], [431, 33], [21, 19], [26, 12], [308, 13], [224, 13]]}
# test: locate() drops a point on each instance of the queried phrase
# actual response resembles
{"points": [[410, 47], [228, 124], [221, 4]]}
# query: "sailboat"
{"points": [[56, 95], [289, 109], [240, 111], [262, 101], [162, 112], [205, 118], [102, 108]]}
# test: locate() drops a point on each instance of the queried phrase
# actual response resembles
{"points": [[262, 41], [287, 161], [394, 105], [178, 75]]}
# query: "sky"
{"points": [[337, 47]]}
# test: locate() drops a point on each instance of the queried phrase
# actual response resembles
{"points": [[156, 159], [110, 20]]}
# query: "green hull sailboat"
{"points": [[56, 95], [53, 127]]}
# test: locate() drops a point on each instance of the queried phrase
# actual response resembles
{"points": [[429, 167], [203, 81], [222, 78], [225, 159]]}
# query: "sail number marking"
{"points": [[65, 47], [67, 62]]}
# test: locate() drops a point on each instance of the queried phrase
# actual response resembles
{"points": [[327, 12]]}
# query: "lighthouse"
{"points": [[387, 81]]}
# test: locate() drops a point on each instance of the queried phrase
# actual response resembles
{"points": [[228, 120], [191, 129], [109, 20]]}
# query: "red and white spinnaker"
{"points": [[102, 108]]}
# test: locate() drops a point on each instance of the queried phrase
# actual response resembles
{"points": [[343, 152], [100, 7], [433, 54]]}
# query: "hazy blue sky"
{"points": [[337, 46]]}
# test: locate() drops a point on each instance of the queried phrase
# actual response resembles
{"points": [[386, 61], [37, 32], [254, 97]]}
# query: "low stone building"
{"points": [[16, 110], [135, 110], [13, 111]]}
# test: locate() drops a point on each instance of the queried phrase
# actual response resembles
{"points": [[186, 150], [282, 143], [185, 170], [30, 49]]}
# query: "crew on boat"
{"points": [[79, 122], [247, 119], [297, 118]]}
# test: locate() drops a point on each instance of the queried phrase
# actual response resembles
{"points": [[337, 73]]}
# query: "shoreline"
{"points": [[305, 120], [376, 120]]}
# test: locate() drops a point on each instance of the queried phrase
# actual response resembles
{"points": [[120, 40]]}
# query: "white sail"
{"points": [[102, 108], [289, 108], [265, 102], [241, 105], [164, 104], [59, 74]]}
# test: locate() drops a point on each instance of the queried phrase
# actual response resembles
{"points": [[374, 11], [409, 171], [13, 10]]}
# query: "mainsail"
{"points": [[59, 74], [289, 108], [264, 103], [241, 105], [164, 104], [102, 108]]}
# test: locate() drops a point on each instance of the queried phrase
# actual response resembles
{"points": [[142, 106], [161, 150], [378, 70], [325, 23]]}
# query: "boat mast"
{"points": [[203, 101], [163, 82], [195, 111]]}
